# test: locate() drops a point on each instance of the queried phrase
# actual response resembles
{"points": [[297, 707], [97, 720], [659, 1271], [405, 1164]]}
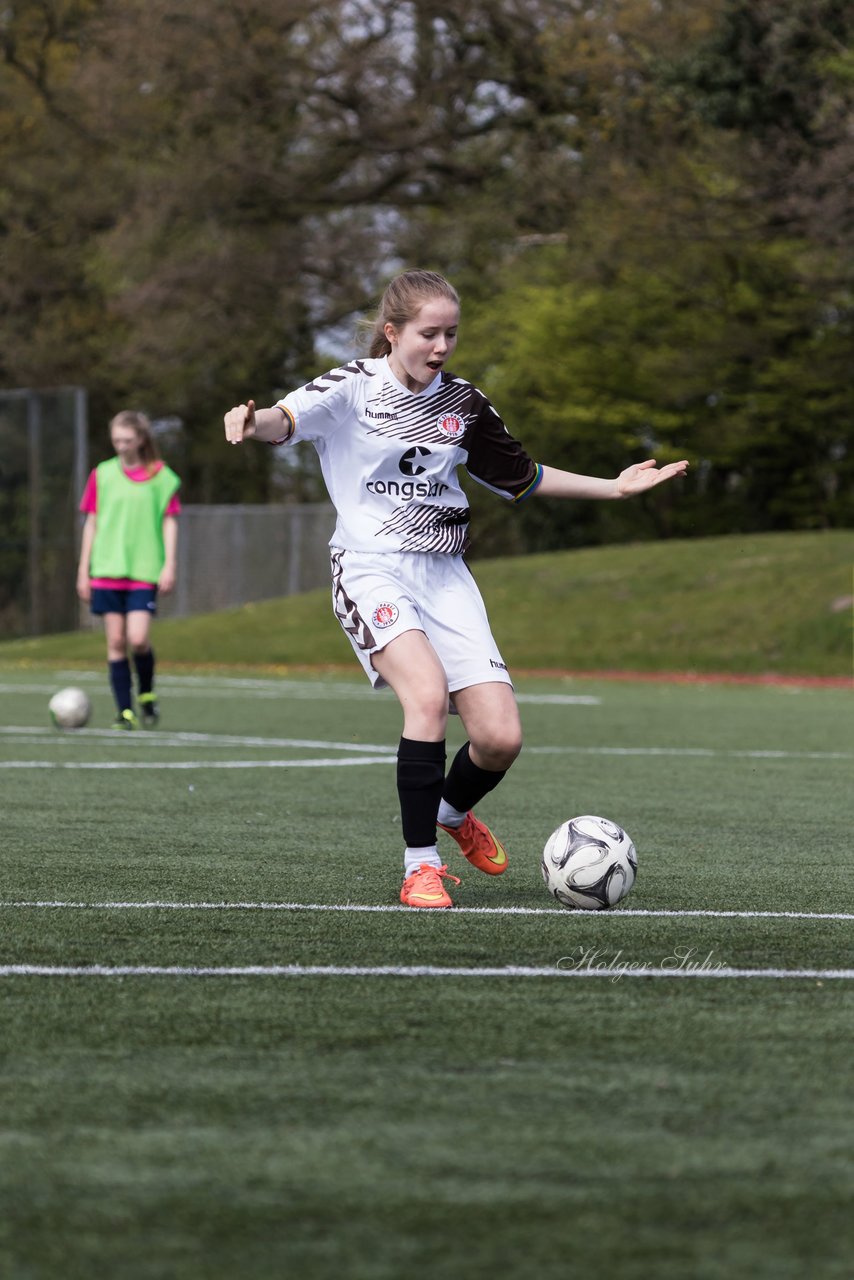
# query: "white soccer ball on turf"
{"points": [[589, 863], [70, 709]]}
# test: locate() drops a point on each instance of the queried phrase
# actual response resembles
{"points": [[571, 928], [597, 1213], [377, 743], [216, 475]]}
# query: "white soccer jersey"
{"points": [[389, 457]]}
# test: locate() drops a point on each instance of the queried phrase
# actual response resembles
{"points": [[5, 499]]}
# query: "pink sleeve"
{"points": [[89, 501], [174, 508]]}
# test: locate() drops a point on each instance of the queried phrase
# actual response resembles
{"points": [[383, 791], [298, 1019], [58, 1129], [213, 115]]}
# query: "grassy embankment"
{"points": [[767, 604]]}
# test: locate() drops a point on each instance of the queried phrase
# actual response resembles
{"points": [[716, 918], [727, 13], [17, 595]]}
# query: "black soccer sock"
{"points": [[120, 683], [420, 778], [467, 783], [144, 663]]}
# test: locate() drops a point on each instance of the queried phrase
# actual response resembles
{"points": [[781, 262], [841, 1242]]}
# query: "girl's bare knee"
{"points": [[426, 718], [497, 752]]}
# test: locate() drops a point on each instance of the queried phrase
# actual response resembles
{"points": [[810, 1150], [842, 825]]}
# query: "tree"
{"points": [[694, 306], [663, 186], [240, 175]]}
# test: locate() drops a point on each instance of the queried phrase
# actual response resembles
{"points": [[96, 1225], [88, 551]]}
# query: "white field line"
{"points": [[577, 916], [289, 688], [197, 764], [157, 738], [382, 752], [706, 752], [292, 689], [189, 687], [404, 971]]}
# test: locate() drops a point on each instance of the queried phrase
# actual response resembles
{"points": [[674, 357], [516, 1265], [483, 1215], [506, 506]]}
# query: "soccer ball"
{"points": [[589, 863], [70, 709]]}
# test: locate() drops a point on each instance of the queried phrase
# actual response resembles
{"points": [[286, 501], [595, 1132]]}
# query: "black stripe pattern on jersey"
{"points": [[346, 610], [338, 375], [429, 528], [399, 414]]}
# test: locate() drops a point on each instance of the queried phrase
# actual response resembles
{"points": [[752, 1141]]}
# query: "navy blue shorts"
{"points": [[123, 600]]}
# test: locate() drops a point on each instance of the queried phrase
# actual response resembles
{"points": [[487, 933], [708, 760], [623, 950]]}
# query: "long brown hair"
{"points": [[149, 454], [403, 299]]}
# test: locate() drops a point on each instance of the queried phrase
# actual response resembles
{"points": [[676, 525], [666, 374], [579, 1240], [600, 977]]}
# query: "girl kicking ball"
{"points": [[391, 431]]}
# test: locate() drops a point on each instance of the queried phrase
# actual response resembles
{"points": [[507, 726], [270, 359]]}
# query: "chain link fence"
{"points": [[42, 473], [232, 555], [236, 554]]}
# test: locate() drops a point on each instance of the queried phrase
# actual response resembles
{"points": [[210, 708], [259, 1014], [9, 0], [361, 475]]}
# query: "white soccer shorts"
{"points": [[376, 597]]}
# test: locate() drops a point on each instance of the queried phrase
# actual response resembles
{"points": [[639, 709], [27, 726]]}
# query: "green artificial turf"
{"points": [[587, 1122]]}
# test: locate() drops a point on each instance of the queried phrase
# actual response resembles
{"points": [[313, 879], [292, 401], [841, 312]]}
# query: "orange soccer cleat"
{"points": [[424, 887], [479, 845]]}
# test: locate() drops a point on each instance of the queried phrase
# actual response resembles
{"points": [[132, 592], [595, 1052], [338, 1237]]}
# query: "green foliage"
{"points": [[720, 355], [646, 207], [763, 69], [236, 185]]}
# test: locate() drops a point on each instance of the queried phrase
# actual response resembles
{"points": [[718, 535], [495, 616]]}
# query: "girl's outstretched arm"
{"points": [[635, 479]]}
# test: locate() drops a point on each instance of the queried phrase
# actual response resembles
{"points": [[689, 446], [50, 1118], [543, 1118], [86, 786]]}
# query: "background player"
{"points": [[391, 431], [128, 553]]}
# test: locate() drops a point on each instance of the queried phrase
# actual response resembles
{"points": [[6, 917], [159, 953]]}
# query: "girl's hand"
{"points": [[166, 581], [645, 475], [84, 589], [240, 423]]}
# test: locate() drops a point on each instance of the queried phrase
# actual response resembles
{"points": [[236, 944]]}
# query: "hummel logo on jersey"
{"points": [[408, 464], [385, 417]]}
